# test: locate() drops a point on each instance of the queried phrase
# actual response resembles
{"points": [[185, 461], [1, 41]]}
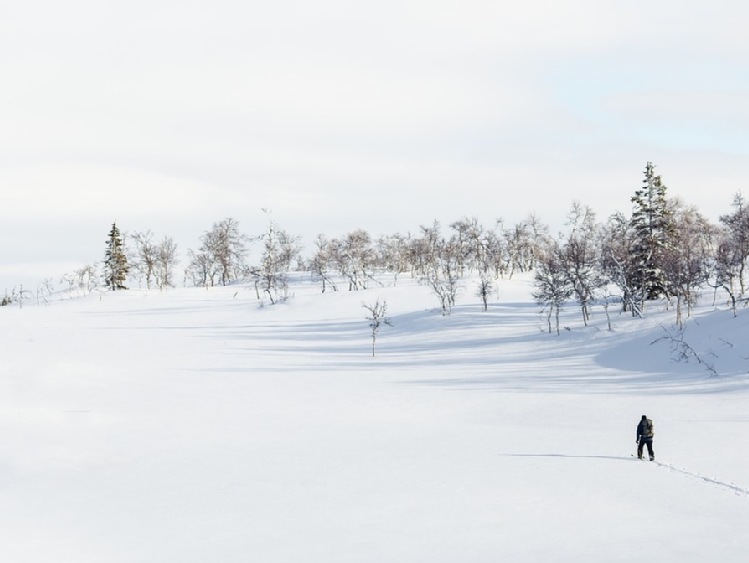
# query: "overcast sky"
{"points": [[339, 115]]}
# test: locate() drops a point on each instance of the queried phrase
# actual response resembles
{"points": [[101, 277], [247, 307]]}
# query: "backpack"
{"points": [[647, 429]]}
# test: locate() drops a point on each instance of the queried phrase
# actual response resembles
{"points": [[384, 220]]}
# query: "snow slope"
{"points": [[195, 426]]}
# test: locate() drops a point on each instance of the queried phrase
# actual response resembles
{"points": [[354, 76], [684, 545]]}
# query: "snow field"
{"points": [[194, 426]]}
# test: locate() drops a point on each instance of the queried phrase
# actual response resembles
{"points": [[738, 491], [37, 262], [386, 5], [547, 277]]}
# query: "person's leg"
{"points": [[639, 448], [650, 450]]}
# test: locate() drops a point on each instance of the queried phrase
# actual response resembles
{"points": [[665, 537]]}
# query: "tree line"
{"points": [[665, 249]]}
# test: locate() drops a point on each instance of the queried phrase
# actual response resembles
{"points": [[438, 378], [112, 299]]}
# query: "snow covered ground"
{"points": [[194, 426]]}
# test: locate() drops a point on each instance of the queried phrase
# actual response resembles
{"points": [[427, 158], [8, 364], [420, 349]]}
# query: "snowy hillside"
{"points": [[194, 426]]}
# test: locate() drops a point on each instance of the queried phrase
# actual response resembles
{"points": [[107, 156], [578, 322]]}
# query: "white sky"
{"points": [[338, 115]]}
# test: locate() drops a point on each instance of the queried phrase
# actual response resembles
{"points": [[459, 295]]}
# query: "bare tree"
{"points": [[221, 255], [424, 250], [279, 250], [143, 261], [81, 281], [618, 265], [736, 250], [201, 269], [393, 255], [484, 290], [552, 285], [321, 262], [70, 280], [526, 243], [355, 258], [684, 352], [724, 269], [686, 260], [438, 264], [607, 300], [166, 261], [377, 317], [581, 257], [443, 276], [496, 255], [468, 241]]}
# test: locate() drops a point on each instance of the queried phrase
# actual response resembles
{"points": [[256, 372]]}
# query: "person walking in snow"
{"points": [[645, 435]]}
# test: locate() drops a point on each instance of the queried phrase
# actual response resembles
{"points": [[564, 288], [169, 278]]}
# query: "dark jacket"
{"points": [[645, 429]]}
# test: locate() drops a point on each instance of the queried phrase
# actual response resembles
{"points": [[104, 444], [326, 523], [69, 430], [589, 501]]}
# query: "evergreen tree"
{"points": [[652, 229], [115, 261]]}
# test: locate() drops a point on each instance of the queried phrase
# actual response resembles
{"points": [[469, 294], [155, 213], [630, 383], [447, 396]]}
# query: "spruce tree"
{"points": [[652, 229], [115, 261]]}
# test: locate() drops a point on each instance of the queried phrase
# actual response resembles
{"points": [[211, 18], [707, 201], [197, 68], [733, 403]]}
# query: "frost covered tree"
{"points": [[85, 278], [393, 255], [581, 257], [221, 257], [443, 275], [355, 258], [116, 266], [652, 230], [618, 265], [44, 291], [496, 257], [321, 261], [424, 250], [228, 247], [468, 241], [201, 269], [437, 264], [525, 243], [686, 262], [735, 248], [154, 262], [280, 249], [17, 295]]}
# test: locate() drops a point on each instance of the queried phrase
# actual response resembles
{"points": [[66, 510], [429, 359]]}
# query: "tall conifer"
{"points": [[652, 228], [115, 261]]}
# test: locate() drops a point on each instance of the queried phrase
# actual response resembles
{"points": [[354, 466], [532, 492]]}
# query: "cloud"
{"points": [[76, 192], [711, 108]]}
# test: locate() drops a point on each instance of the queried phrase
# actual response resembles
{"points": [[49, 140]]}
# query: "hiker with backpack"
{"points": [[645, 435]]}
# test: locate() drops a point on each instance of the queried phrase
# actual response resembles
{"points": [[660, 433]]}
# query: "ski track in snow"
{"points": [[740, 491], [729, 486]]}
